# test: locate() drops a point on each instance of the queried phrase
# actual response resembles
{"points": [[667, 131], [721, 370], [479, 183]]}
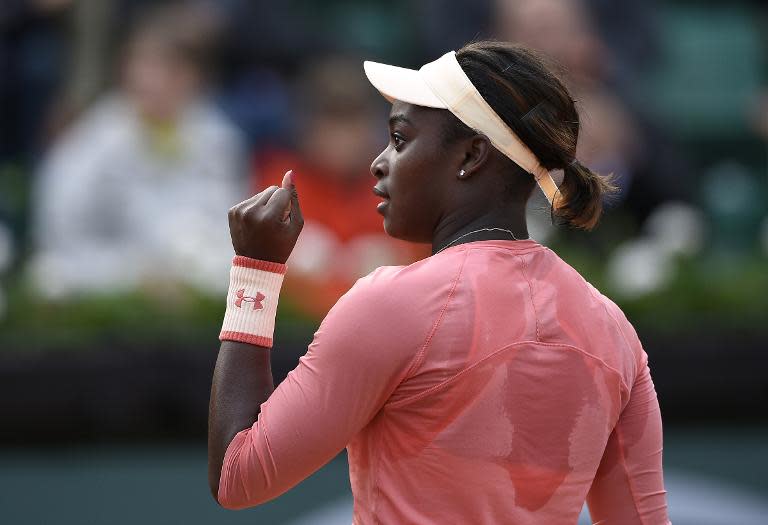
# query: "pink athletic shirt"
{"points": [[486, 384]]}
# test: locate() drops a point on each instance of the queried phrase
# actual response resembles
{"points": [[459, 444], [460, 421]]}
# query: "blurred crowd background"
{"points": [[129, 127]]}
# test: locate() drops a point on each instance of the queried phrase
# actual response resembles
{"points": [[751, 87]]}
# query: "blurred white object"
{"points": [[315, 251], [639, 267], [320, 254], [196, 251], [6, 247], [365, 253], [112, 211], [645, 265], [57, 275], [678, 228]]}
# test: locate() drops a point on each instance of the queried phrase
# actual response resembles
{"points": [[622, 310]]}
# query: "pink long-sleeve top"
{"points": [[486, 384]]}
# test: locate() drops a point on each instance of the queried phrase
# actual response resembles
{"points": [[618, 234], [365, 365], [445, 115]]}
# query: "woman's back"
{"points": [[518, 372]]}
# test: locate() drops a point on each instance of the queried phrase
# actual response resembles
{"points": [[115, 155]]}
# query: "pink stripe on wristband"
{"points": [[246, 338], [257, 264], [254, 289]]}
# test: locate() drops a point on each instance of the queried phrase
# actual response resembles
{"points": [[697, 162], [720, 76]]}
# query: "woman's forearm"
{"points": [[264, 230], [242, 381]]}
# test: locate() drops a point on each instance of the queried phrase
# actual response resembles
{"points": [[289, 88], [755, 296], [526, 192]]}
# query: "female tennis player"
{"points": [[488, 383]]}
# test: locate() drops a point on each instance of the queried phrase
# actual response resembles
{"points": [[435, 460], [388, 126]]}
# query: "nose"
{"points": [[379, 166]]}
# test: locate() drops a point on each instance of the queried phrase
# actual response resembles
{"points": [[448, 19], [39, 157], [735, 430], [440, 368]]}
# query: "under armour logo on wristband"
{"points": [[242, 298]]}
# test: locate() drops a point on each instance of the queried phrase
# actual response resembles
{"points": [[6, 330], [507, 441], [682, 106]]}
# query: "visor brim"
{"points": [[399, 83]]}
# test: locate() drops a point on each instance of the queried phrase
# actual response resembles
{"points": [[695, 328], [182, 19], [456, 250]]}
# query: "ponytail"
{"points": [[534, 102], [583, 191]]}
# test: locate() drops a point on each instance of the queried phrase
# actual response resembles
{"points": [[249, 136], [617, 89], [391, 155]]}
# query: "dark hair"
{"points": [[536, 105]]}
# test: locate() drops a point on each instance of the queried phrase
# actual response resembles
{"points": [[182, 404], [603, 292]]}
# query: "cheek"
{"points": [[415, 204]]}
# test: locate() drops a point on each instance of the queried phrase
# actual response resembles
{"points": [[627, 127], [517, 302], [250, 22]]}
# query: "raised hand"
{"points": [[267, 225]]}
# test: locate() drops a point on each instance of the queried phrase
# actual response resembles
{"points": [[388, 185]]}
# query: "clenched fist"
{"points": [[267, 225]]}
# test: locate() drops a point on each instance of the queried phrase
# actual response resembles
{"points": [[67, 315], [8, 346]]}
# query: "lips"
{"points": [[380, 192], [384, 195]]}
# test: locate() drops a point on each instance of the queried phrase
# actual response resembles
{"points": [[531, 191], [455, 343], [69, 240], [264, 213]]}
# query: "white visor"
{"points": [[443, 84]]}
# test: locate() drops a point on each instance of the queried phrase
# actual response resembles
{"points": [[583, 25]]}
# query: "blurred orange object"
{"points": [[343, 237]]}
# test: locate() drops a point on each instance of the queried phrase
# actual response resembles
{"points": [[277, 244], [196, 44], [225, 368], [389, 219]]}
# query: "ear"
{"points": [[476, 154]]}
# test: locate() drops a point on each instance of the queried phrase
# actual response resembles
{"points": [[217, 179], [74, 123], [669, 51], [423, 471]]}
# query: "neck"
{"points": [[451, 228]]}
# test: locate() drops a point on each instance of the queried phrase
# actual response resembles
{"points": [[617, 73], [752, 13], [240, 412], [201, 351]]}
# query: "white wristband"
{"points": [[254, 287]]}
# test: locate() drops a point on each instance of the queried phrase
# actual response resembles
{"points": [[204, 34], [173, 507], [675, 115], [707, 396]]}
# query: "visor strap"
{"points": [[450, 83]]}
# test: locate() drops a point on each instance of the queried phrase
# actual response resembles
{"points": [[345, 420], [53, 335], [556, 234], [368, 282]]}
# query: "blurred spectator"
{"points": [[562, 30], [135, 194], [343, 237], [257, 50], [618, 136]]}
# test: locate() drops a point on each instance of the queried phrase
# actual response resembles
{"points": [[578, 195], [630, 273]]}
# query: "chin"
{"points": [[391, 229], [403, 234], [388, 228]]}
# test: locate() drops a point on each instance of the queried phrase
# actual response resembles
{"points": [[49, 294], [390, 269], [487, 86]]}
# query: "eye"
{"points": [[397, 141]]}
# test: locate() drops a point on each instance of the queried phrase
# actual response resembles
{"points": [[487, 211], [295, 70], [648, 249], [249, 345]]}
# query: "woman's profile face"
{"points": [[415, 172]]}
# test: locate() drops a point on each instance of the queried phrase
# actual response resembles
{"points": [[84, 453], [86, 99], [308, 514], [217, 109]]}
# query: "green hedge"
{"points": [[704, 291]]}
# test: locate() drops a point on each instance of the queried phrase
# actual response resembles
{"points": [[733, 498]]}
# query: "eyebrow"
{"points": [[399, 117]]}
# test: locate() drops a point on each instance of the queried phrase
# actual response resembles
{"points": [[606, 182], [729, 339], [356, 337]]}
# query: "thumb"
{"points": [[293, 210]]}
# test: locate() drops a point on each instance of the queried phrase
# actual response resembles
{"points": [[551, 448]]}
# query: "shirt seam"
{"points": [[264, 432], [530, 290], [626, 473], [376, 488], [515, 250], [413, 366], [418, 359], [456, 376]]}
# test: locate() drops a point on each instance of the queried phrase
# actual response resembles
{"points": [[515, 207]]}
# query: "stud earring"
{"points": [[461, 173]]}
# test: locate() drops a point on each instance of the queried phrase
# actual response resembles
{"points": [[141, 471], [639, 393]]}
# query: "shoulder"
{"points": [[582, 295], [614, 310], [617, 321], [399, 302], [410, 281], [378, 292]]}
